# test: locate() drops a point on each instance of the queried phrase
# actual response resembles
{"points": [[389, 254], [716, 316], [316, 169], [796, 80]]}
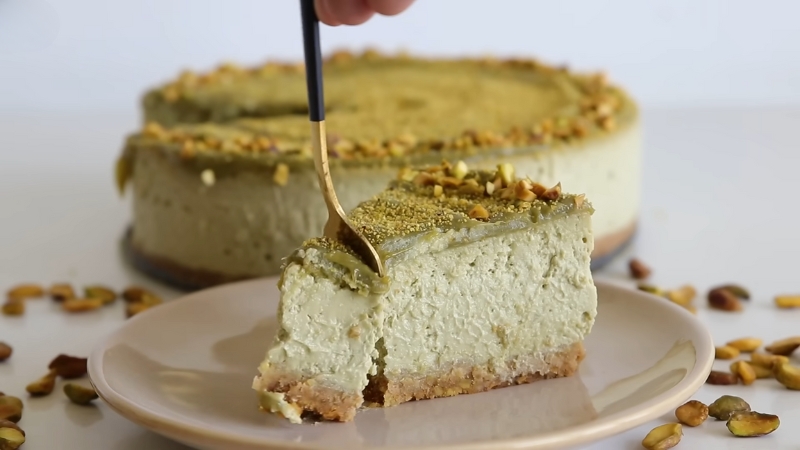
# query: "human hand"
{"points": [[356, 12]]}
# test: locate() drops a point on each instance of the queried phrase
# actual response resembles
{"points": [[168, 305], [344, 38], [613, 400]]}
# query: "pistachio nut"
{"points": [[10, 424], [638, 269], [61, 291], [787, 375], [752, 424], [649, 288], [761, 371], [737, 290], [787, 301], [721, 378], [683, 295], [746, 345], [43, 386], [103, 293], [5, 351], [767, 360], [744, 371], [68, 367], [692, 413], [724, 407], [80, 395], [25, 291], [11, 438], [726, 352], [134, 294], [663, 437], [74, 305], [10, 408], [784, 347], [14, 308], [723, 300]]}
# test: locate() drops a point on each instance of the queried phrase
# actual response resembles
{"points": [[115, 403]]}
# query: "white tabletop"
{"points": [[720, 190]]}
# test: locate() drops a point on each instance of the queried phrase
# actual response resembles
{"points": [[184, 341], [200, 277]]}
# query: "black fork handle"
{"points": [[313, 57]]}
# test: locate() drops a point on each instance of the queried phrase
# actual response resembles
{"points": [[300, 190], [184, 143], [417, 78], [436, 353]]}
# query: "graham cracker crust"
{"points": [[470, 379], [327, 403], [336, 405]]}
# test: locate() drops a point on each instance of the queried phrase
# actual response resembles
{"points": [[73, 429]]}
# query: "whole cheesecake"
{"points": [[224, 184]]}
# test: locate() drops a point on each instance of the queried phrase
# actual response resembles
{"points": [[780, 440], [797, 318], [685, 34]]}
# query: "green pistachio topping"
{"points": [[427, 202]]}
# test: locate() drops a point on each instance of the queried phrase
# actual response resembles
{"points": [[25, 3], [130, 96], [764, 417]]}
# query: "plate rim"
{"points": [[588, 432]]}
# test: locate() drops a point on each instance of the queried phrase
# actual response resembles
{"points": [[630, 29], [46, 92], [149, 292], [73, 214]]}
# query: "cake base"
{"points": [[331, 404], [181, 277], [322, 401], [468, 379]]}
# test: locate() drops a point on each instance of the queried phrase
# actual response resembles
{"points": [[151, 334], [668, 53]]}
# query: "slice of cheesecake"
{"points": [[488, 285]]}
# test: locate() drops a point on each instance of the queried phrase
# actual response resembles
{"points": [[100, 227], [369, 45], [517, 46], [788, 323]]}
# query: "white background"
{"points": [[720, 82], [72, 55]]}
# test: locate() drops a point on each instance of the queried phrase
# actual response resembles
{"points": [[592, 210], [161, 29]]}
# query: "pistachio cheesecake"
{"points": [[488, 285], [224, 184]]}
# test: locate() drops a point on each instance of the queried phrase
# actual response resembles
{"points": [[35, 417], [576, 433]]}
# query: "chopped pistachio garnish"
{"points": [[281, 175], [396, 109], [433, 200]]}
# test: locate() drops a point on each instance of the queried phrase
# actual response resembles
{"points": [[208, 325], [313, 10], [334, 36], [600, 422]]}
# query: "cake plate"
{"points": [[184, 370]]}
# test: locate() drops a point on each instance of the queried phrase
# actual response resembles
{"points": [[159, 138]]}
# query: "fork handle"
{"points": [[313, 58]]}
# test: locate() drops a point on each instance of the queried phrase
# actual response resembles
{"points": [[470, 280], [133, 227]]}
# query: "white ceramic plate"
{"points": [[184, 370]]}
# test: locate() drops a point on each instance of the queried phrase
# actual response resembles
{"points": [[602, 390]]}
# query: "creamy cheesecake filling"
{"points": [[533, 287]]}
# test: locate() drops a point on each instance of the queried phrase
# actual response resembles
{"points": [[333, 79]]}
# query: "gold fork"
{"points": [[337, 227]]}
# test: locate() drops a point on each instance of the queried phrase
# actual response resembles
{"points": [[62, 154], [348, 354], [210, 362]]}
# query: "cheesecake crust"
{"points": [[331, 404], [471, 379], [322, 401]]}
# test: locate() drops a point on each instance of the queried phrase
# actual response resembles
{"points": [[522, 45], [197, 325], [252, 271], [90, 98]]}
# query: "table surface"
{"points": [[719, 205]]}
